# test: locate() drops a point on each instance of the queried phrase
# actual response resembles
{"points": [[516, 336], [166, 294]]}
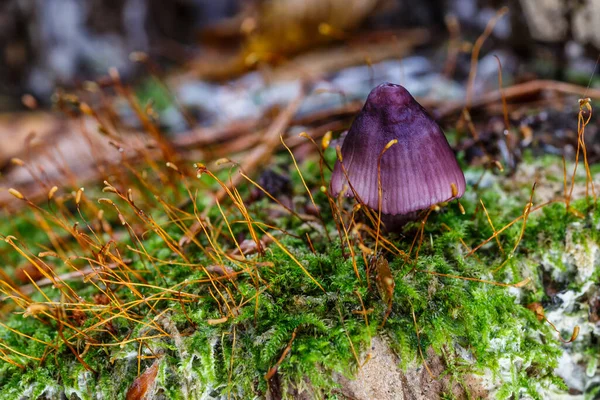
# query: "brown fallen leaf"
{"points": [[385, 283], [248, 247], [28, 272], [272, 30], [141, 385], [384, 279], [217, 271]]}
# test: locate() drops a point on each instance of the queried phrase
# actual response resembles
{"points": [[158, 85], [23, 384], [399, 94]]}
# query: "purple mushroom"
{"points": [[416, 172]]}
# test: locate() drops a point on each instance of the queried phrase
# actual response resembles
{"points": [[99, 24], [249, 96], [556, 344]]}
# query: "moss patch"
{"points": [[305, 306]]}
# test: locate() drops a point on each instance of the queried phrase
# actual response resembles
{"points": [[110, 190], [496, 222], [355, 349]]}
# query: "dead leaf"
{"points": [[217, 271], [385, 283], [141, 385], [384, 279]]}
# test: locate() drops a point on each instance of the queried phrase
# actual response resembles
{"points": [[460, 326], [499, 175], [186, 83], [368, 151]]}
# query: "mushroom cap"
{"points": [[416, 173]]}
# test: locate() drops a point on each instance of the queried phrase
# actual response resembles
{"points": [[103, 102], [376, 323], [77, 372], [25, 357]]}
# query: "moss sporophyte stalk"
{"points": [[279, 288]]}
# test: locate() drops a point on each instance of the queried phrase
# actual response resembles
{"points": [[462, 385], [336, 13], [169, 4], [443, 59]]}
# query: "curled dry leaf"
{"points": [[140, 387], [385, 284], [217, 271], [28, 272], [248, 246], [384, 279]]}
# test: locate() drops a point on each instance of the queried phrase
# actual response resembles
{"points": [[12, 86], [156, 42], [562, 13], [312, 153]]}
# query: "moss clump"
{"points": [[303, 303]]}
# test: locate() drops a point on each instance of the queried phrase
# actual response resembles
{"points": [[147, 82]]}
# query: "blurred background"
{"points": [[50, 43], [209, 72]]}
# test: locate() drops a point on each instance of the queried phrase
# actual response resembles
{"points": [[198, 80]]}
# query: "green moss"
{"points": [[279, 304]]}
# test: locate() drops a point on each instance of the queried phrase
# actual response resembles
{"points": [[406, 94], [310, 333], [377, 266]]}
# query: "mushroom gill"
{"points": [[416, 172]]}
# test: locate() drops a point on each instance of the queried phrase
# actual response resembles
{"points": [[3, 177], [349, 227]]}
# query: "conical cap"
{"points": [[417, 172]]}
